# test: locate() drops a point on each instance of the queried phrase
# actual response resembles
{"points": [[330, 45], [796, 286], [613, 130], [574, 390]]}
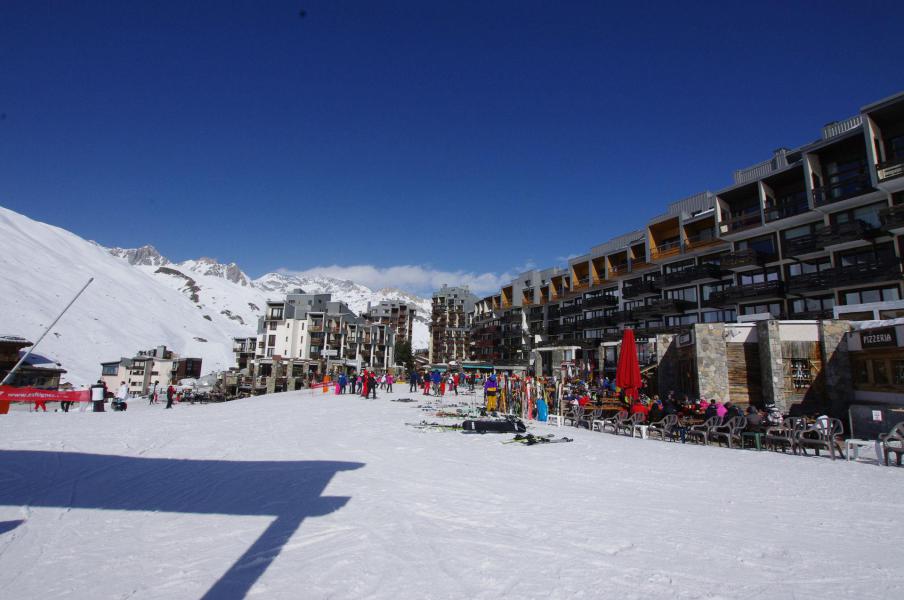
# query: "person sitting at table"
{"points": [[731, 411], [711, 411], [640, 407], [703, 404], [755, 421], [657, 412]]}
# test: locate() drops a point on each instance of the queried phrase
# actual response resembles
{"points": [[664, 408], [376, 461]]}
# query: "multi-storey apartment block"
{"points": [[450, 323], [306, 334], [141, 371], [794, 237], [399, 315]]}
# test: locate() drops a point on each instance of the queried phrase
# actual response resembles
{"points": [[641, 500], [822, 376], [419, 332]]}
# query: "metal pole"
{"points": [[12, 371]]}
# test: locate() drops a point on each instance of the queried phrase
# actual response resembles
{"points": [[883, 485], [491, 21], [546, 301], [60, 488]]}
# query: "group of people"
{"points": [[655, 409], [436, 383], [365, 383]]}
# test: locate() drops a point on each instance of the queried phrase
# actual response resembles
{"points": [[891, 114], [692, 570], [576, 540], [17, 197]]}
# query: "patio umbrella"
{"points": [[627, 375]]}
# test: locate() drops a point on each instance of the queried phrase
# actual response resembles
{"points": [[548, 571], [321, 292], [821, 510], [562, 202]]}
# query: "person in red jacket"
{"points": [[640, 407]]}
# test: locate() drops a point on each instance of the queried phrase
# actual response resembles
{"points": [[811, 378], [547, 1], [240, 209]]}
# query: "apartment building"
{"points": [[38, 371], [310, 333], [141, 371], [399, 315], [808, 232], [450, 324]]}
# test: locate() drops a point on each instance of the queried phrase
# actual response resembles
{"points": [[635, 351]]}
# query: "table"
{"points": [[557, 419], [852, 449], [757, 438], [642, 429]]}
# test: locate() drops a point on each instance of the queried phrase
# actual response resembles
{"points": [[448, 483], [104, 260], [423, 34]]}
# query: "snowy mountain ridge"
{"points": [[140, 299]]}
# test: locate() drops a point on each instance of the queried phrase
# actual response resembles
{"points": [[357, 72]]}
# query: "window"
{"points": [[110, 369], [773, 308], [272, 325], [898, 371], [678, 267], [271, 340], [755, 277], [806, 268], [718, 316], [867, 256], [884, 294], [765, 244], [880, 372], [867, 214], [688, 294], [633, 304], [675, 320], [821, 303], [708, 289], [861, 372], [276, 313]]}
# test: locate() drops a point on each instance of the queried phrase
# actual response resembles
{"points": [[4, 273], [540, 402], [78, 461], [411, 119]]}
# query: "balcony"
{"points": [[648, 332], [811, 282], [855, 185], [601, 300], [618, 269], [596, 322], [747, 220], [890, 169], [842, 233], [648, 287], [622, 316], [662, 306], [665, 250], [700, 239], [742, 293], [804, 244], [743, 259], [788, 206], [885, 269], [892, 217], [572, 309], [695, 273]]}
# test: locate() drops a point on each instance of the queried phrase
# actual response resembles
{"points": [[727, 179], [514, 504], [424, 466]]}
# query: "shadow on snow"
{"points": [[289, 491]]}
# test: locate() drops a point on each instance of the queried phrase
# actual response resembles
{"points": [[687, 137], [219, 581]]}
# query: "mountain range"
{"points": [[140, 299]]}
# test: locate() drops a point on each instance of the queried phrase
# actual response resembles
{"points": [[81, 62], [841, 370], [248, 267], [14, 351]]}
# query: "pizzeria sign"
{"points": [[880, 337]]}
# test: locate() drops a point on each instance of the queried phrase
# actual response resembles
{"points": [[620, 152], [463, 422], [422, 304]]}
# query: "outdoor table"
{"points": [[757, 439], [852, 449], [642, 429]]}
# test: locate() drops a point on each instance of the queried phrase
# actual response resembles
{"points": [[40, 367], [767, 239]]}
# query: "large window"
{"points": [[110, 369], [674, 320], [763, 276], [867, 214], [806, 268], [718, 316], [879, 294], [678, 267], [868, 256], [764, 244], [773, 308], [271, 340], [688, 294], [707, 289], [821, 303]]}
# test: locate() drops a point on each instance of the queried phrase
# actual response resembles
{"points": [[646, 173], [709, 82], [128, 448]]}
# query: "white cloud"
{"points": [[412, 278]]}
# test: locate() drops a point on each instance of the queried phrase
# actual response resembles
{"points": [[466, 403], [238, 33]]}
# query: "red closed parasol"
{"points": [[627, 375]]}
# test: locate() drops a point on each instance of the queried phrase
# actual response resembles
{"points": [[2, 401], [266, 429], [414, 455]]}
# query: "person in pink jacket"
{"points": [[389, 380], [720, 409]]}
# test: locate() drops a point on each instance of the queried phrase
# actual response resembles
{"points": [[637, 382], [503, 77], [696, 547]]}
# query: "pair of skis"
{"points": [[532, 440], [434, 425]]}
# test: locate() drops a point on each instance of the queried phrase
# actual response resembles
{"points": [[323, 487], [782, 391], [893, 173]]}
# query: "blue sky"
{"points": [[452, 141]]}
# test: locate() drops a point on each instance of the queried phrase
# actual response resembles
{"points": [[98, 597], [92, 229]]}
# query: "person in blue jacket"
{"points": [[435, 378]]}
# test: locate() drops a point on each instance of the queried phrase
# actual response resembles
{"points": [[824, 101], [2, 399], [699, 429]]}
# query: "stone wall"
{"points": [[836, 365], [712, 364], [667, 361], [772, 365]]}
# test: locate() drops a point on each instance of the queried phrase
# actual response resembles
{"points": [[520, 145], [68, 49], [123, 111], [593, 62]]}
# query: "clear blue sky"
{"points": [[473, 136]]}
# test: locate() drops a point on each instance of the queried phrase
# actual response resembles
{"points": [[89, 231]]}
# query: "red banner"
{"points": [[9, 393]]}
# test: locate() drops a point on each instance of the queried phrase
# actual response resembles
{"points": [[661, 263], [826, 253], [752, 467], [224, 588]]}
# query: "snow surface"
{"points": [[140, 299], [307, 495]]}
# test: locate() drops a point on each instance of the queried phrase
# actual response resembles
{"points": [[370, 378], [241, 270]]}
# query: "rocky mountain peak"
{"points": [[145, 255]]}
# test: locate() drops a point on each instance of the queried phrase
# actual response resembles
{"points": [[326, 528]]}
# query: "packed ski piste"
{"points": [[424, 494]]}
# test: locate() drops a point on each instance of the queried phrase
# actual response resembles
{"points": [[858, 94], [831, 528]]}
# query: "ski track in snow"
{"points": [[433, 514]]}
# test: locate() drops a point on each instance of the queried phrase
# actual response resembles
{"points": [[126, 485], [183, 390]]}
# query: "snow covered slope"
{"points": [[124, 310], [140, 299]]}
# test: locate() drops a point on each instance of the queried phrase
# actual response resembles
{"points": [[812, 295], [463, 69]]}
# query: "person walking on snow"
{"points": [[372, 385], [412, 382], [389, 380], [489, 390], [170, 396], [152, 393]]}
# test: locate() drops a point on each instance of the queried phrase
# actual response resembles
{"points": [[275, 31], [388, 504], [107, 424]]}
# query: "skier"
{"points": [[455, 381], [365, 381], [426, 384], [152, 394], [372, 385], [435, 377], [389, 381], [170, 396], [343, 381], [412, 382], [489, 390]]}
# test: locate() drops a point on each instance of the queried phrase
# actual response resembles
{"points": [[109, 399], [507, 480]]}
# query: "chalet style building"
{"points": [[309, 334], [37, 371], [158, 365], [811, 233], [450, 324]]}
